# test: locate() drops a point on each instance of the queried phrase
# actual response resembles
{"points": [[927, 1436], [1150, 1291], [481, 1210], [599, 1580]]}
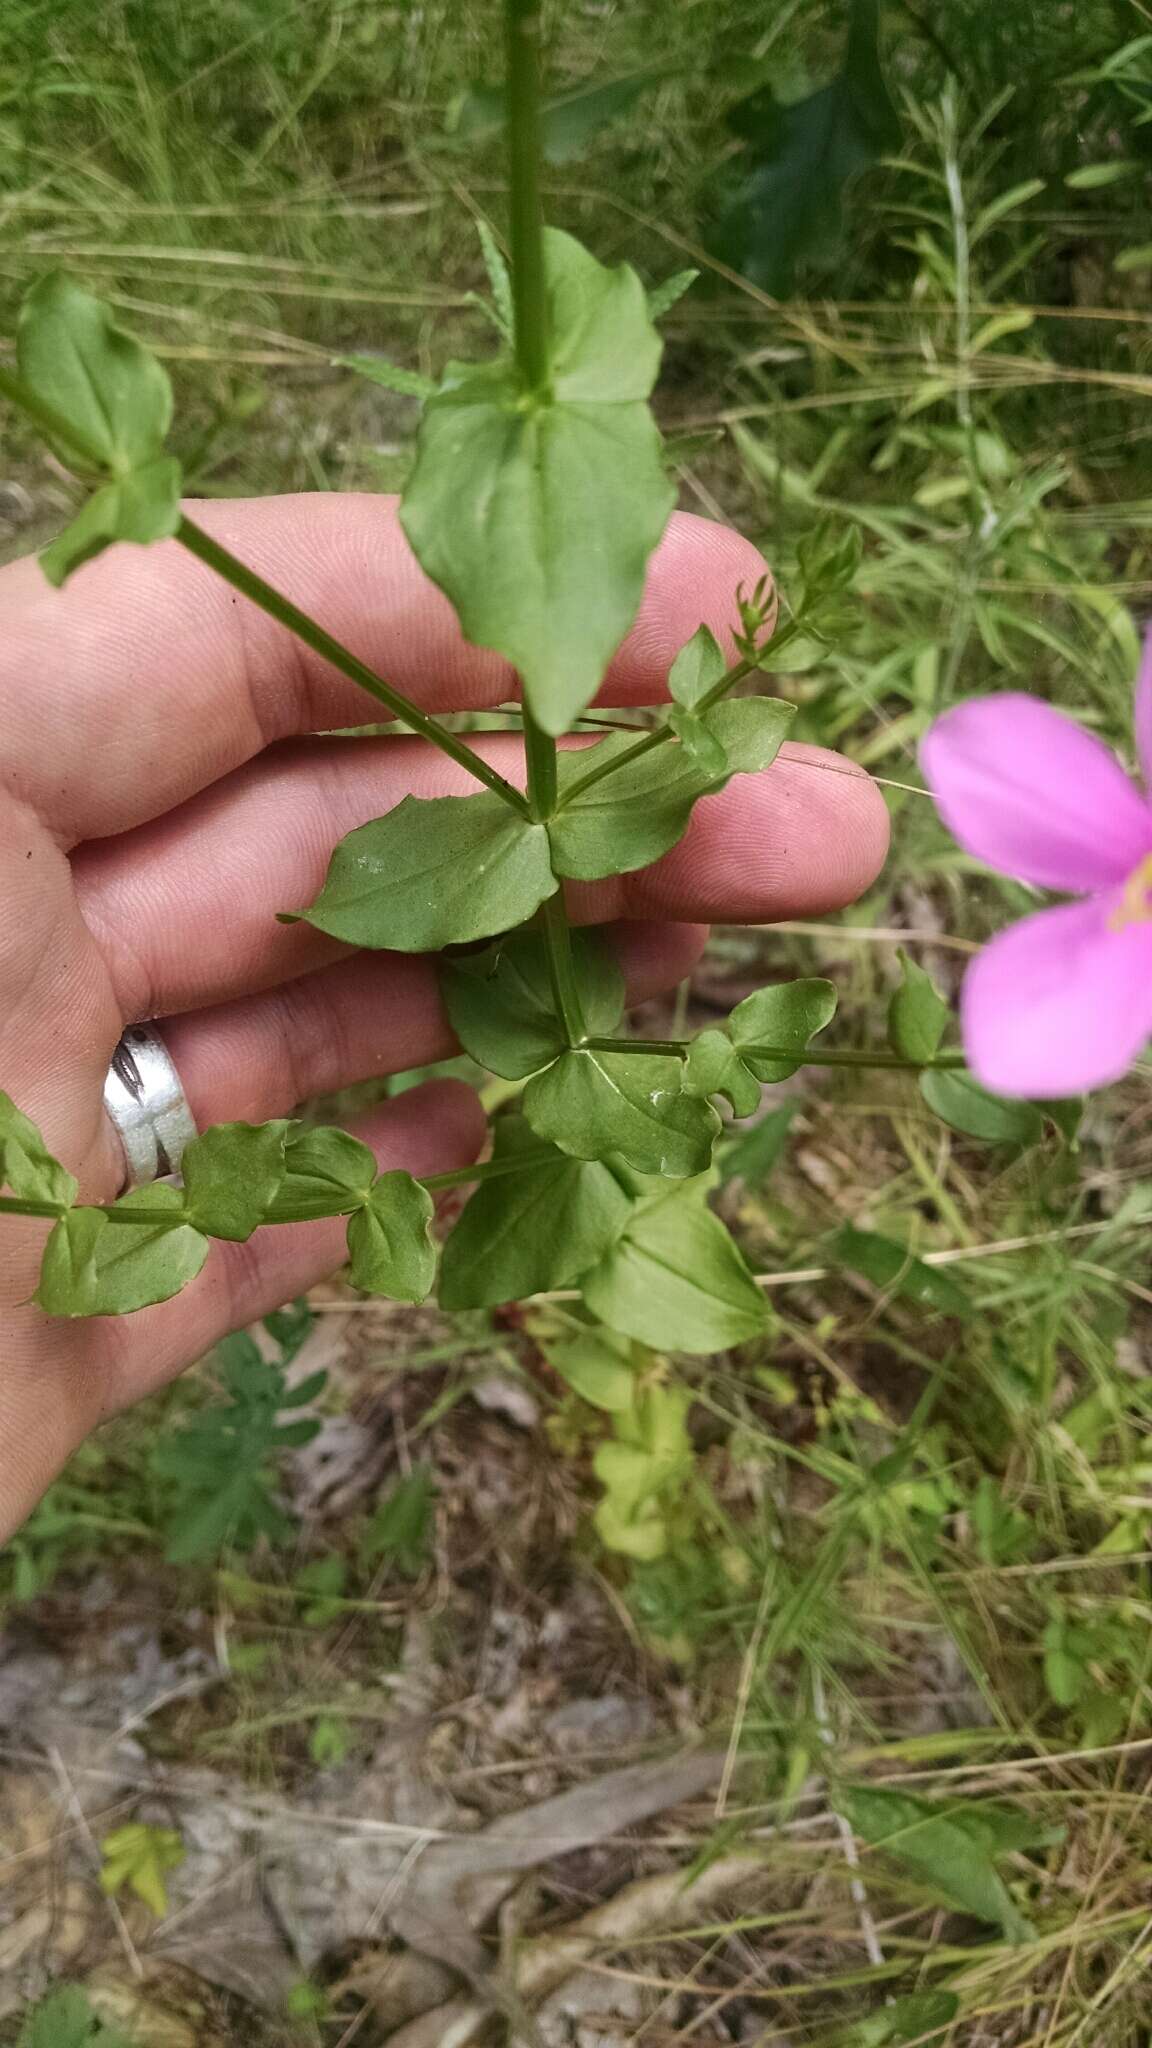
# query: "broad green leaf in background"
{"points": [[961, 1103], [400, 1530], [539, 1227], [786, 191], [752, 1156], [596, 1104], [231, 1177], [501, 1006], [940, 1847], [918, 2018], [139, 1856], [66, 2020], [649, 1457], [536, 512], [597, 1365], [93, 1267], [568, 121], [101, 380], [894, 1268], [27, 1168], [677, 1280], [327, 1172], [434, 872], [389, 1244], [916, 1014], [714, 1067]]}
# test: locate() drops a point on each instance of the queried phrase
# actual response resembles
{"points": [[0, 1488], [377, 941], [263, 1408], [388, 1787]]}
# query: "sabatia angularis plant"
{"points": [[537, 496]]}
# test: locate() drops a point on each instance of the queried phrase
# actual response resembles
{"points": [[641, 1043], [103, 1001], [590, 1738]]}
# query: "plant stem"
{"points": [[522, 31], [653, 739], [677, 1048], [306, 629]]}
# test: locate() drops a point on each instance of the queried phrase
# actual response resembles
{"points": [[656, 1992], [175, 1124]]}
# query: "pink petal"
{"points": [[1032, 794], [1142, 711], [1060, 1003]]}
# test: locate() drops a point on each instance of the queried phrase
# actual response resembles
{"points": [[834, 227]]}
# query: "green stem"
{"points": [[287, 614], [522, 32], [540, 751], [653, 739], [678, 1048]]}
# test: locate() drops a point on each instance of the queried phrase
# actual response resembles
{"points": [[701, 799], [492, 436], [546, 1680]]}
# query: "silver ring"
{"points": [[145, 1100]]}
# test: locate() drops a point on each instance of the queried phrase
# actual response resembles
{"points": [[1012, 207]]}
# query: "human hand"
{"points": [[162, 795]]}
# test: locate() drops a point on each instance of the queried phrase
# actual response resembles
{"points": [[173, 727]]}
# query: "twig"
{"points": [[80, 1818], [856, 1887]]}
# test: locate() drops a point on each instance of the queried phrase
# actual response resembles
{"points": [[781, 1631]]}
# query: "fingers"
{"points": [[148, 677], [372, 1015], [184, 909]]}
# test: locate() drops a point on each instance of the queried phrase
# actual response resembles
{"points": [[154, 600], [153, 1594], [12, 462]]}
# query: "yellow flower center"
{"points": [[1135, 906]]}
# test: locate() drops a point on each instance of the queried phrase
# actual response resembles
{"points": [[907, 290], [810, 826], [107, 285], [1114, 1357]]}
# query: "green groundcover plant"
{"points": [[536, 498]]}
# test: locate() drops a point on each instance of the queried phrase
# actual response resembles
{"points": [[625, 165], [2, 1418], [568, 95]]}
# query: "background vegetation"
{"points": [[904, 1552]]}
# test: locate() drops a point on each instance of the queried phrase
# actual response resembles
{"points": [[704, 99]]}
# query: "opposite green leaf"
{"points": [[697, 668], [540, 1227], [435, 872], [92, 1267], [962, 1103], [916, 1014], [389, 1244], [536, 512], [714, 1067], [677, 1280], [27, 1168], [787, 1014], [144, 506], [101, 380], [596, 1104], [232, 1176], [501, 1005], [327, 1172]]}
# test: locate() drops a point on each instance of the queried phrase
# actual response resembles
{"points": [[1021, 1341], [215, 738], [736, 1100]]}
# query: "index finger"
{"points": [[147, 678]]}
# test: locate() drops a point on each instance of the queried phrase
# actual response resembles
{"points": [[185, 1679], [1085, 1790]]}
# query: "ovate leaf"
{"points": [[389, 1244], [939, 1847], [786, 195], [93, 1267], [752, 1155], [920, 2017], [568, 121], [400, 1530], [536, 512], [501, 1005], [27, 1168], [434, 872], [714, 1067], [961, 1103], [232, 1176], [894, 1268], [677, 1280], [916, 1014], [785, 1015], [327, 1172], [538, 1227], [596, 1104], [598, 1367], [697, 669], [99, 379]]}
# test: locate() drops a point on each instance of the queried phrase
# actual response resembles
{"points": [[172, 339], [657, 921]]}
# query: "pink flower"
{"points": [[1063, 1001]]}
